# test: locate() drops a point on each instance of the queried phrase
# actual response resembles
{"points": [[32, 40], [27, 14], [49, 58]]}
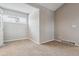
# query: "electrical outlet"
{"points": [[74, 26]]}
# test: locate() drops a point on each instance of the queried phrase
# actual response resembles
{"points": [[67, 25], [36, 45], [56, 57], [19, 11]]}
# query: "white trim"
{"points": [[15, 39], [35, 41], [77, 44], [29, 39], [47, 41]]}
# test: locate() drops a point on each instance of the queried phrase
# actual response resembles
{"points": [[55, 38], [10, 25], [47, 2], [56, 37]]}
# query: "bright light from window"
{"points": [[14, 19]]}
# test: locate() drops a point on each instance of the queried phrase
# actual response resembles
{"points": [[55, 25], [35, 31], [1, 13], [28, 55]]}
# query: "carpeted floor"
{"points": [[28, 48]]}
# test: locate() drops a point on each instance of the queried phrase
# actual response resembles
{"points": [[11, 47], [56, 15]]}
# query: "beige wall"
{"points": [[67, 23]]}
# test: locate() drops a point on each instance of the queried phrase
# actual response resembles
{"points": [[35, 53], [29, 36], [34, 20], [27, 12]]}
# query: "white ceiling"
{"points": [[27, 8], [51, 6], [18, 7]]}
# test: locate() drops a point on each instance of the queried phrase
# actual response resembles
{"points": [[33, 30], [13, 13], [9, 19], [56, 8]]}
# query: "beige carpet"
{"points": [[28, 48]]}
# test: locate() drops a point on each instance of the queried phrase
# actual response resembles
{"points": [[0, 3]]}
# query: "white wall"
{"points": [[15, 31], [1, 29], [41, 25], [46, 24], [12, 30], [34, 26]]}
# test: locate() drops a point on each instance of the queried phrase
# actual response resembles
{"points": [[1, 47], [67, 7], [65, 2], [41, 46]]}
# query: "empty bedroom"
{"points": [[39, 29]]}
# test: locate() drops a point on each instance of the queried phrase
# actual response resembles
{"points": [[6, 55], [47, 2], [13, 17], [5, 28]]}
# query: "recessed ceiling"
{"points": [[51, 6]]}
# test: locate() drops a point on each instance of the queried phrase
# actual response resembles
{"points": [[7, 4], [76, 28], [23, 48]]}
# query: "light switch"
{"points": [[74, 26]]}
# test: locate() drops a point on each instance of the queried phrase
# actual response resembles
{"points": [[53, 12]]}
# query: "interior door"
{"points": [[1, 28]]}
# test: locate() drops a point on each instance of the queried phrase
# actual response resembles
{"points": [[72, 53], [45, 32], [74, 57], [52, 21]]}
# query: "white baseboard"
{"points": [[59, 40], [46, 41], [35, 41], [15, 39]]}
